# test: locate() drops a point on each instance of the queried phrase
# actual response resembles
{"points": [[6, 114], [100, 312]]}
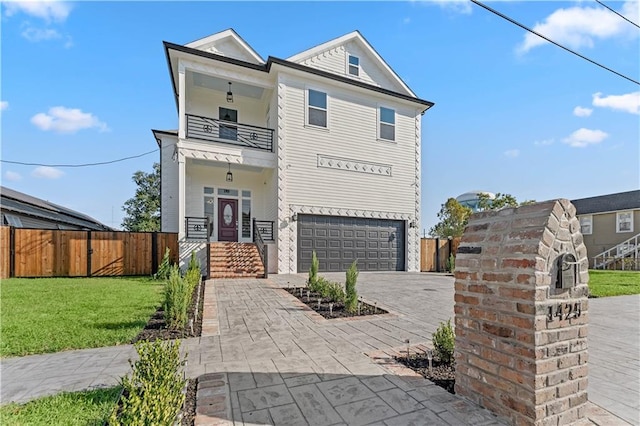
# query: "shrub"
{"points": [[192, 275], [177, 296], [164, 268], [451, 263], [153, 394], [321, 286], [313, 271], [444, 341], [335, 292], [351, 296]]}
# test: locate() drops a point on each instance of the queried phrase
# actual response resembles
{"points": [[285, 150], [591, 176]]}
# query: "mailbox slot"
{"points": [[566, 264]]}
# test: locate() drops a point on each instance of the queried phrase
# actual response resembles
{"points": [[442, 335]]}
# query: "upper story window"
{"points": [[354, 65], [387, 124], [586, 225], [317, 108], [624, 221]]}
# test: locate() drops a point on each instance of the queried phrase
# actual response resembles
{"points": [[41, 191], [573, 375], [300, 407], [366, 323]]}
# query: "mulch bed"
{"points": [[337, 310], [443, 375], [156, 328]]}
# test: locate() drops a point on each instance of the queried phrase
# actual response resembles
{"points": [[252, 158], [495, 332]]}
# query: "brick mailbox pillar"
{"points": [[521, 313]]}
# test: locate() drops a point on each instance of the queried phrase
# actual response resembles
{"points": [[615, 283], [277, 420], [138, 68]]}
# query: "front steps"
{"points": [[234, 260]]}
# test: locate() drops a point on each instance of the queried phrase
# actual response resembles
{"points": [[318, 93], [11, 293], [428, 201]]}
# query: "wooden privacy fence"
{"points": [[70, 253], [434, 253]]}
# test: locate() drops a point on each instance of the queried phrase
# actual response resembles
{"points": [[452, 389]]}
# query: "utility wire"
{"points": [[79, 165], [619, 14], [513, 21]]}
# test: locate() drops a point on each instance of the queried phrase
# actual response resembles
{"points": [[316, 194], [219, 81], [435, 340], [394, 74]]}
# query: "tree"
{"points": [[143, 210], [453, 218], [500, 201]]}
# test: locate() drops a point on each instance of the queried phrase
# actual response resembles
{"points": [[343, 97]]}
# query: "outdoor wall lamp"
{"points": [[229, 174], [294, 217], [230, 95], [412, 224]]}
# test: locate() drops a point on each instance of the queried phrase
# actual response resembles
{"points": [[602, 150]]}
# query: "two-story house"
{"points": [[318, 152], [609, 226]]}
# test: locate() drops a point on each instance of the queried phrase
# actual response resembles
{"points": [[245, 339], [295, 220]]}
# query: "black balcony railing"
{"points": [[266, 229], [263, 249], [215, 130], [197, 228]]}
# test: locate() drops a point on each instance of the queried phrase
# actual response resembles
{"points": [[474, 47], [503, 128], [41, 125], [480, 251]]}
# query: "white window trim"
{"points": [[590, 217], [349, 65], [307, 106], [630, 212], [378, 122]]}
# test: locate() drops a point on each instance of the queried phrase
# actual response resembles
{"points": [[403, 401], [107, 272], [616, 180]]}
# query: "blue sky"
{"points": [[84, 82]]}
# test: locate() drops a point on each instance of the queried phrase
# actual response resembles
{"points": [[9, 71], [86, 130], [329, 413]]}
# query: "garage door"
{"points": [[378, 244]]}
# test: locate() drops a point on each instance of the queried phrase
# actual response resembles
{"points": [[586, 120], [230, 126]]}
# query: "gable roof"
{"points": [[629, 200], [227, 43], [357, 38], [22, 204]]}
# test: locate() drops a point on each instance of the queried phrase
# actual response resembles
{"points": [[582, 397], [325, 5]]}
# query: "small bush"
{"points": [[351, 295], [192, 275], [177, 297], [153, 394], [444, 341], [451, 263], [164, 269], [335, 292], [313, 271]]}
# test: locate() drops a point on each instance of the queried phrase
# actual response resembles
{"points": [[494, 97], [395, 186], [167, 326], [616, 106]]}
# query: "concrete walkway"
{"points": [[278, 364]]}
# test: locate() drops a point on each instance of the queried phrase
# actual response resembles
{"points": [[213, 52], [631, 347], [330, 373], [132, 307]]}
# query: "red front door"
{"points": [[227, 220]]}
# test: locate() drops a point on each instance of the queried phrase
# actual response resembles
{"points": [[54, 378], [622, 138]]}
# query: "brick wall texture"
{"points": [[521, 343]]}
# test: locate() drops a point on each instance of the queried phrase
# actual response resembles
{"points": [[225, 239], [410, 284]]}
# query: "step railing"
{"points": [[263, 249], [266, 229], [618, 254], [196, 228]]}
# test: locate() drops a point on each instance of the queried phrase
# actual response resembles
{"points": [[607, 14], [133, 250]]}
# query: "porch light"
{"points": [[294, 217], [229, 95], [229, 174]]}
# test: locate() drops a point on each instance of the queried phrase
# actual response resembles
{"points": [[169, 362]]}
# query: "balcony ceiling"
{"points": [[224, 166], [222, 85]]}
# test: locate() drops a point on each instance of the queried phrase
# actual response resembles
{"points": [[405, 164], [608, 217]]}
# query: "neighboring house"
{"points": [[24, 211], [610, 225], [321, 149]]}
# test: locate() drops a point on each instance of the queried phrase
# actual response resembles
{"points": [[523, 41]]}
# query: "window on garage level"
{"points": [[317, 108], [387, 124]]}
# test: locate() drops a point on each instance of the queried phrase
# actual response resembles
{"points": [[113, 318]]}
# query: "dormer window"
{"points": [[354, 65]]}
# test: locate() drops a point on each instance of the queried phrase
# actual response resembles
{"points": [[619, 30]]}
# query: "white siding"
{"points": [[335, 61], [169, 185], [352, 134]]}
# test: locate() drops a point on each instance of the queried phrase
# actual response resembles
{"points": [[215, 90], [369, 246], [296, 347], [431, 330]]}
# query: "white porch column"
{"points": [[181, 196], [182, 118]]}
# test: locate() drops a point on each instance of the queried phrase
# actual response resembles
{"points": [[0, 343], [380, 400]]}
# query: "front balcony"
{"points": [[229, 132]]}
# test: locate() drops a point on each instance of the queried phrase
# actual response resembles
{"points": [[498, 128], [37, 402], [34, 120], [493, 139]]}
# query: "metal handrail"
{"points": [[266, 229], [229, 132], [263, 249], [197, 228]]}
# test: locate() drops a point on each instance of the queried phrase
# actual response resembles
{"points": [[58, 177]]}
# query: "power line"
{"points": [[79, 165], [513, 21], [619, 14]]}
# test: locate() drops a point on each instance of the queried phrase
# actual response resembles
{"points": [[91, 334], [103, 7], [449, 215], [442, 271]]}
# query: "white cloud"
{"points": [[544, 142], [585, 137], [582, 112], [67, 120], [578, 26], [46, 172], [40, 34], [512, 153], [459, 6], [47, 10], [629, 102], [12, 176], [4, 105]]}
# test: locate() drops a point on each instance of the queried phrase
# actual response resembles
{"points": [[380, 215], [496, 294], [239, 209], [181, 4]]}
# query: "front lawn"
{"points": [[613, 283], [78, 408], [54, 314]]}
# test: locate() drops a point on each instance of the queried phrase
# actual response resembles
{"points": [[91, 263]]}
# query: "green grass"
{"points": [[77, 408], [54, 314], [613, 283]]}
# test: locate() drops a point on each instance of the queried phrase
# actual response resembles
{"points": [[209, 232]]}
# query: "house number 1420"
{"points": [[563, 311]]}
